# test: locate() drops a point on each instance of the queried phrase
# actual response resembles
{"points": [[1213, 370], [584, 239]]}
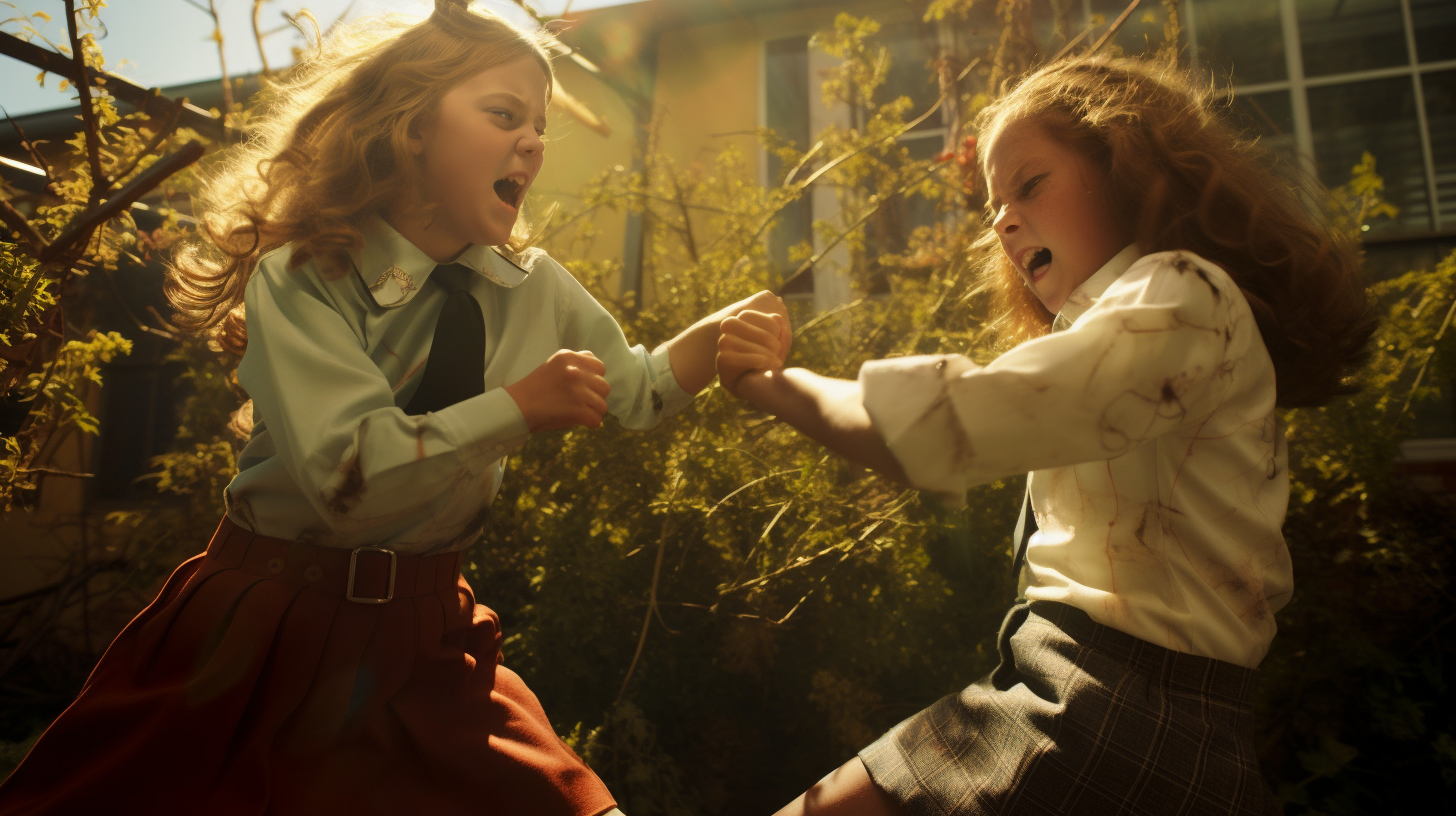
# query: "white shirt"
{"points": [[334, 460], [1160, 476]]}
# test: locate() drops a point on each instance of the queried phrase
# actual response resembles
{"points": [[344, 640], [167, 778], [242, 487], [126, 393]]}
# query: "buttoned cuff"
{"points": [[666, 387], [906, 399], [483, 428]]}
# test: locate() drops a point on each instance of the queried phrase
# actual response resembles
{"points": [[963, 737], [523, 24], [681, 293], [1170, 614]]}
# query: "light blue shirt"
{"points": [[331, 361]]}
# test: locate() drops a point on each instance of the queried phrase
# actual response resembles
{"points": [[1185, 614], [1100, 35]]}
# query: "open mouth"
{"points": [[510, 190], [1038, 260]]}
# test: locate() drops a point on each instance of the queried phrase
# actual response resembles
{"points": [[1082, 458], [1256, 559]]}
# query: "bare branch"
{"points": [[100, 184], [1116, 24], [258, 35], [80, 230], [149, 100], [16, 221]]}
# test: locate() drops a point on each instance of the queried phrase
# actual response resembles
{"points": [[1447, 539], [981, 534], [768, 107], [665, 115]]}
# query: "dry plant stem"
{"points": [[799, 187], [164, 128], [258, 35], [100, 185], [808, 265], [35, 155], [668, 526], [17, 222], [148, 100], [50, 609], [79, 231], [1116, 24], [1430, 352]]}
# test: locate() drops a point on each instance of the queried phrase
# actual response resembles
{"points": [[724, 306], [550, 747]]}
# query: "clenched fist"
{"points": [[751, 341], [568, 389]]}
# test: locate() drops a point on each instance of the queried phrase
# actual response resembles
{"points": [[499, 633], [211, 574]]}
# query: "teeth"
{"points": [[1039, 258]]}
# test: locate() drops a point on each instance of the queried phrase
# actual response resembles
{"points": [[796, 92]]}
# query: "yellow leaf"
{"points": [[65, 83], [1149, 17], [42, 15]]}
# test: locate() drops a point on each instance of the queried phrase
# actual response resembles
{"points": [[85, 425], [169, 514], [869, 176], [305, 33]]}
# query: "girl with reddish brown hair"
{"points": [[1170, 292], [325, 655]]}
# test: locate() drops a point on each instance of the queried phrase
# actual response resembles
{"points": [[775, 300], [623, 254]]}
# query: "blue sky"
{"points": [[156, 43]]}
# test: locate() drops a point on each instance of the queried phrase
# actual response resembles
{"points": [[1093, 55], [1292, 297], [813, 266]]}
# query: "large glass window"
{"points": [[1341, 36], [1269, 117], [1378, 116], [786, 112], [1240, 41], [1434, 22], [1439, 90]]}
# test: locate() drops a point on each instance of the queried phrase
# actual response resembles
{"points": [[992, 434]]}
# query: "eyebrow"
{"points": [[516, 100], [994, 203]]}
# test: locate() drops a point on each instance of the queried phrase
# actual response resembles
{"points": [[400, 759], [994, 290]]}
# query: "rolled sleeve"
{"points": [[905, 398], [1153, 354]]}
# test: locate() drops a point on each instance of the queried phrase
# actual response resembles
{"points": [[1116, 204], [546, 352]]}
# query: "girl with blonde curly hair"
{"points": [[1170, 293], [325, 654]]}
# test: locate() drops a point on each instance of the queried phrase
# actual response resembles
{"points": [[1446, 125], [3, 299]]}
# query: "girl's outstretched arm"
{"points": [[751, 352], [692, 352], [827, 410]]}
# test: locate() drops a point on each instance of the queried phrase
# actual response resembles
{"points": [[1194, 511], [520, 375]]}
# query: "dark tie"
{"points": [[455, 370], [1025, 526]]}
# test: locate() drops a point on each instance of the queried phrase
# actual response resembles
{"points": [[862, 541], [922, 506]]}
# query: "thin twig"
{"points": [[99, 183], [1116, 24], [258, 35], [17, 221], [808, 264], [668, 519]]}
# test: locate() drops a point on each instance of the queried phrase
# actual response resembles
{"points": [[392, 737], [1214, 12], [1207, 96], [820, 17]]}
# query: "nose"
{"points": [[531, 144], [1006, 222]]}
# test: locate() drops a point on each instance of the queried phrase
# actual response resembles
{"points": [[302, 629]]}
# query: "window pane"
{"points": [[1378, 116], [1339, 36], [1440, 92], [1240, 41], [910, 74], [1435, 25], [1268, 117], [786, 111]]}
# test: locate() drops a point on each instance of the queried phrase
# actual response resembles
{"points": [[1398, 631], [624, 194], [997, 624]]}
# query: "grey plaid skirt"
{"points": [[1080, 718]]}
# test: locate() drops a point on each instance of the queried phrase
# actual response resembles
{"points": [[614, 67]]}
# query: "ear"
{"points": [[419, 130]]}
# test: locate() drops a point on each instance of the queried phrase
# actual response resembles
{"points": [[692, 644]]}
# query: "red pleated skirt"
{"points": [[252, 685]]}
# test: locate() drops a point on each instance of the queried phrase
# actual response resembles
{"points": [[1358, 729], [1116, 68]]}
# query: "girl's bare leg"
{"points": [[848, 791]]}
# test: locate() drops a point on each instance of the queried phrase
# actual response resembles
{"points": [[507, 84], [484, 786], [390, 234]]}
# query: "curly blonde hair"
{"points": [[330, 146], [1188, 180]]}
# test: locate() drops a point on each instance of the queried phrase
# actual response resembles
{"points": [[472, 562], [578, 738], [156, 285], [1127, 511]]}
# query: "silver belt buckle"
{"points": [[353, 561]]}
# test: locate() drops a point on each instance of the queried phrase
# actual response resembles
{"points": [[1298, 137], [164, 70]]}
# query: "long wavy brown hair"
{"points": [[1188, 180], [329, 146]]}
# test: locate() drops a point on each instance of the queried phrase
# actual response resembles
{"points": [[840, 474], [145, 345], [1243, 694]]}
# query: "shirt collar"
{"points": [[1091, 289], [393, 269]]}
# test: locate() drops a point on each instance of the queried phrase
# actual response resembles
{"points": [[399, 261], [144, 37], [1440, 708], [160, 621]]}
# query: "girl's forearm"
{"points": [[693, 351], [827, 410]]}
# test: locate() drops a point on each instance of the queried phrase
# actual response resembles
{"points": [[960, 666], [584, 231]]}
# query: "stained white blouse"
{"points": [[334, 460], [1159, 476]]}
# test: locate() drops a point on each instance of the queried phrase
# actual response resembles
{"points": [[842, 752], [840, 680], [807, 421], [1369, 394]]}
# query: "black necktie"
{"points": [[455, 370], [1025, 526]]}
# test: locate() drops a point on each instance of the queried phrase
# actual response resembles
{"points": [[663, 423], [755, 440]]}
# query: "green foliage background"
{"points": [[716, 613]]}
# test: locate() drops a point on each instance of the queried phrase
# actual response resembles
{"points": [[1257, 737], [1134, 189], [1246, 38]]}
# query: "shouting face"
{"points": [[478, 155], [1053, 211]]}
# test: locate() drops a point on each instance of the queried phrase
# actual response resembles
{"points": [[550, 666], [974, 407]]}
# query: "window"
{"points": [[1358, 75], [786, 111], [791, 92]]}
